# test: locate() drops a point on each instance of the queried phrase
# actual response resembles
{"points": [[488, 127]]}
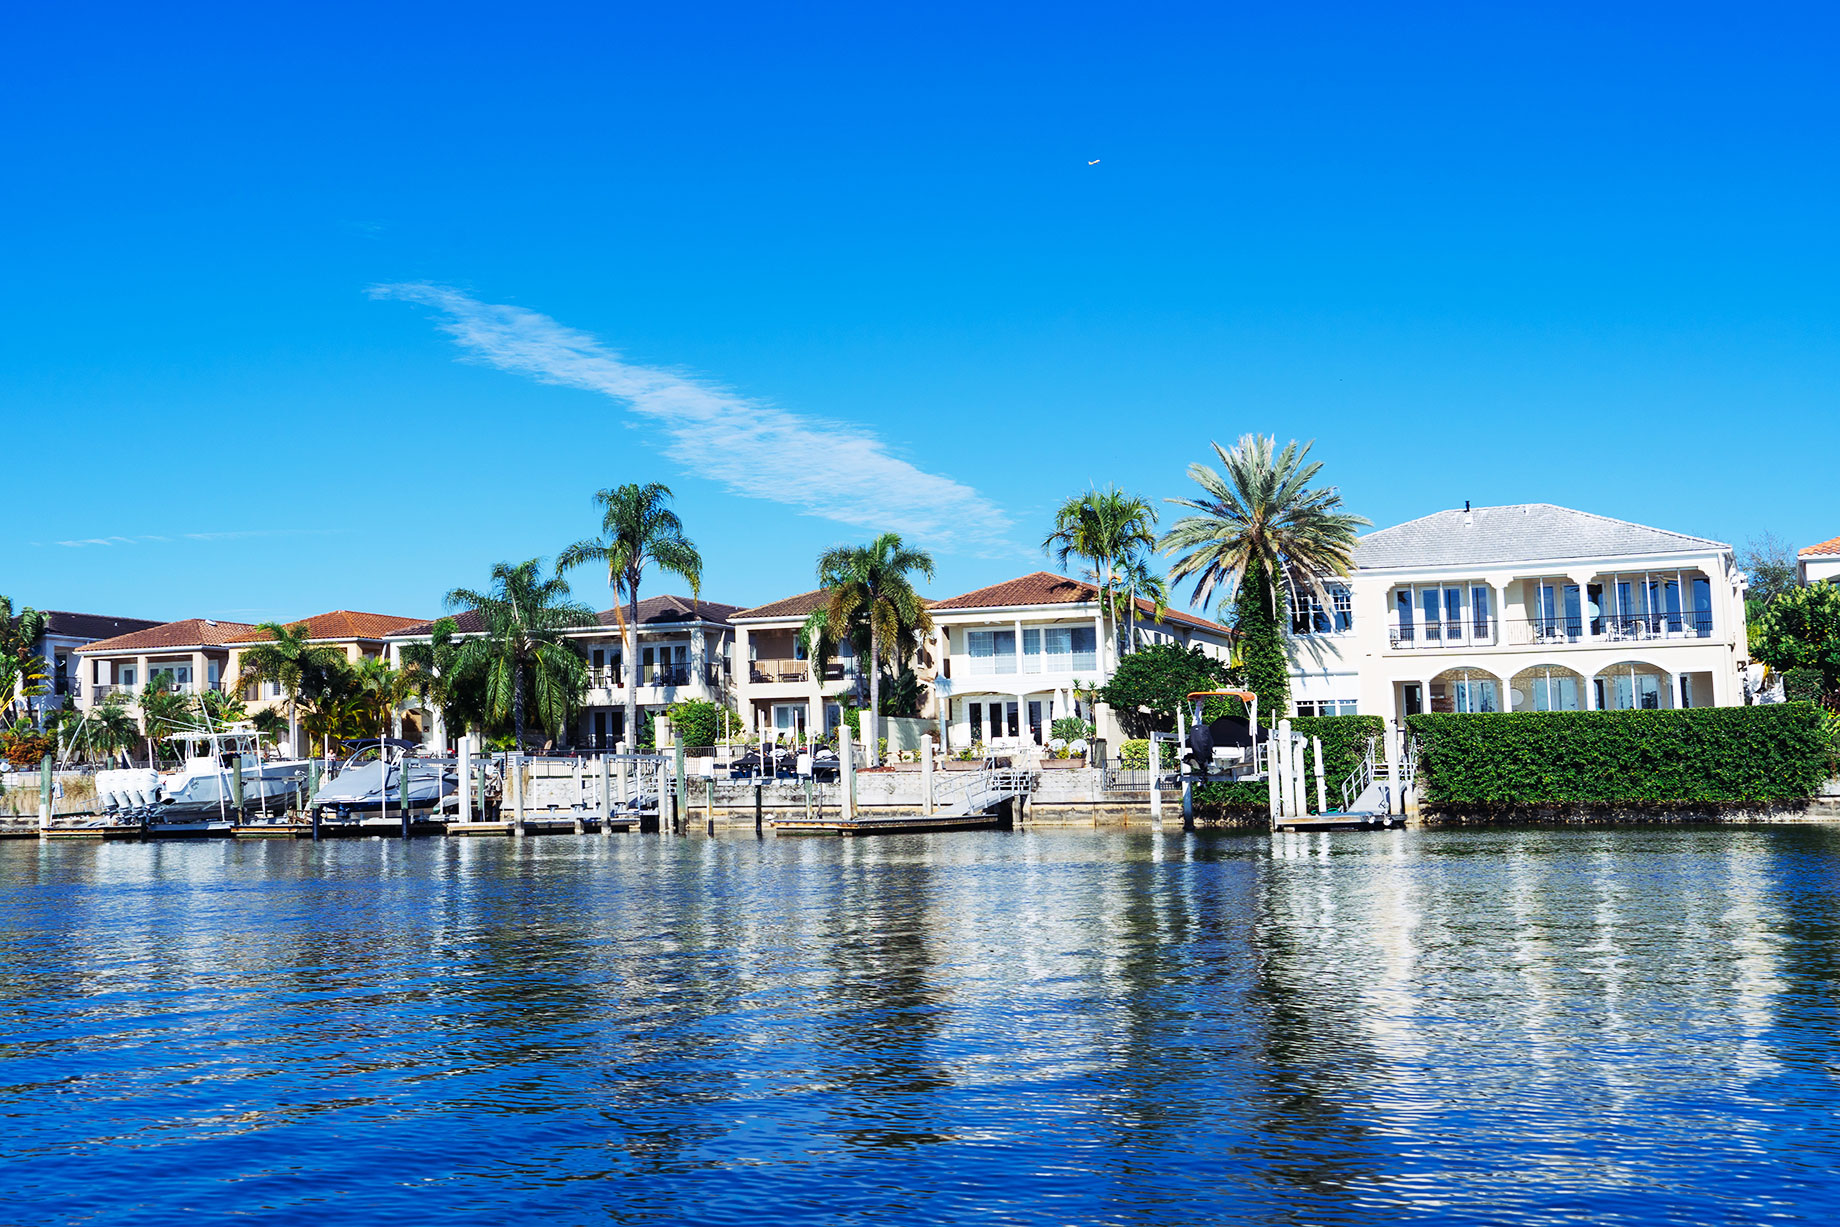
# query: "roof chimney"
{"points": [[1465, 506]]}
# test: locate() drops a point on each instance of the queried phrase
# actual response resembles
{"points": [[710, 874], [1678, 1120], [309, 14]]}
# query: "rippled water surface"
{"points": [[1534, 1026]]}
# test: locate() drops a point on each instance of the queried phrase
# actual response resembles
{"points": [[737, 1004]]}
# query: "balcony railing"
{"points": [[1644, 628], [764, 671], [1457, 633]]}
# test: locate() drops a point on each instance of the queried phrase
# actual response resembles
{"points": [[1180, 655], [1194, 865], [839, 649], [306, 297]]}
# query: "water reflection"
{"points": [[1027, 1028]]}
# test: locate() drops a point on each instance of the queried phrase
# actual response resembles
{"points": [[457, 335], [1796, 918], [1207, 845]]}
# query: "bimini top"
{"points": [[1521, 532]]}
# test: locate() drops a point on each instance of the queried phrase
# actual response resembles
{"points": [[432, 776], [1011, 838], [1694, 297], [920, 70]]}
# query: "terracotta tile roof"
{"points": [[801, 606], [1824, 549], [173, 636], [341, 624], [654, 611], [1046, 588]]}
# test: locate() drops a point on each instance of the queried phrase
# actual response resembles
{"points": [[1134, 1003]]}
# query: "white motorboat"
{"points": [[217, 767], [371, 779]]}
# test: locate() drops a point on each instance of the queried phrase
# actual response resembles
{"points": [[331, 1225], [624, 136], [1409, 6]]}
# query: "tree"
{"points": [[1107, 529], [1138, 580], [436, 672], [23, 674], [524, 647], [1260, 536], [638, 528], [164, 711], [1160, 676], [874, 583], [698, 722], [301, 669], [105, 730], [222, 707], [1769, 564], [1801, 630]]}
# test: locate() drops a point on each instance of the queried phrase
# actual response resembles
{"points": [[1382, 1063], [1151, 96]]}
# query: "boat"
{"points": [[371, 778], [216, 768]]}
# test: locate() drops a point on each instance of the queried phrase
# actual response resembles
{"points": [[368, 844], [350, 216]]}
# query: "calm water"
{"points": [[1566, 1026]]}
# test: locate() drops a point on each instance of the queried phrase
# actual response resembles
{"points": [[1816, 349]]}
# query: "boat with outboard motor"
{"points": [[222, 779], [370, 779]]}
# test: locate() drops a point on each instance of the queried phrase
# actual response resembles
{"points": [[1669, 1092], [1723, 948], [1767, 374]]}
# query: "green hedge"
{"points": [[1645, 759], [1344, 741]]}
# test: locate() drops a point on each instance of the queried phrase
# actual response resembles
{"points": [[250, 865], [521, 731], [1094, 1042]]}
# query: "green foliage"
{"points": [[1803, 685], [1070, 728], [1134, 755], [524, 650], [872, 586], [1259, 617], [1160, 676], [1698, 756], [1801, 630], [698, 722], [904, 696], [1111, 531]]}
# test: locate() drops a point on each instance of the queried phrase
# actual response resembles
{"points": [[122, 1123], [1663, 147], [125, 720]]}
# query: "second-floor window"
{"points": [[991, 651], [1059, 649], [1311, 618]]}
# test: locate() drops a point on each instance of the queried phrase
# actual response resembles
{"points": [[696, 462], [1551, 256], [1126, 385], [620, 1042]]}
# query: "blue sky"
{"points": [[332, 307]]}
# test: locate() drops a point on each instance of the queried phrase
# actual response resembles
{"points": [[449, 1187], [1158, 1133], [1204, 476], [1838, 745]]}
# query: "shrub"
{"points": [[1070, 728], [1803, 685], [1699, 756], [1160, 676], [1135, 754], [698, 722]]}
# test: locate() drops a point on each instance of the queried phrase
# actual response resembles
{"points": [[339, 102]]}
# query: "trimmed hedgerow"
{"points": [[1344, 741], [1643, 759]]}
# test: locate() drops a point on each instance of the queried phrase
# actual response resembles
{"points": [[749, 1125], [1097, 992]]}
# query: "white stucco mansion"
{"points": [[1529, 607]]}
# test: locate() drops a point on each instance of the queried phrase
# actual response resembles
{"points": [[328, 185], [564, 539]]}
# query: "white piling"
{"points": [[1322, 787], [846, 774], [1281, 767], [465, 812], [1395, 802], [606, 795], [926, 773], [1271, 772], [514, 763]]}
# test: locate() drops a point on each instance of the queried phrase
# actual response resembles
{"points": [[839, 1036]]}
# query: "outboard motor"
{"points": [[1201, 747]]}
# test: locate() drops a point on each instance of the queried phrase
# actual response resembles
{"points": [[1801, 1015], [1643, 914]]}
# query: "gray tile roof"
{"points": [[1521, 532]]}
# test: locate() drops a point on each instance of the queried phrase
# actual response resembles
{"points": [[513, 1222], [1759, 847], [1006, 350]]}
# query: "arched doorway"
{"points": [[1634, 685], [1546, 688], [1466, 690]]}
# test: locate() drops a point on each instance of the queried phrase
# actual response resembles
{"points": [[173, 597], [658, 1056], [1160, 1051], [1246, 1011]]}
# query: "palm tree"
{"points": [[1262, 534], [874, 584], [433, 672], [163, 711], [638, 528], [1138, 580], [524, 644], [288, 660], [106, 729], [23, 675], [1105, 528]]}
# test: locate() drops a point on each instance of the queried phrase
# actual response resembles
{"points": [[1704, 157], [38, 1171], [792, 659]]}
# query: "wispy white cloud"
{"points": [[758, 450], [79, 543]]}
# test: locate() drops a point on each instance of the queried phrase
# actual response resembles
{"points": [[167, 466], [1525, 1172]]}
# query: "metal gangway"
{"points": [[979, 792]]}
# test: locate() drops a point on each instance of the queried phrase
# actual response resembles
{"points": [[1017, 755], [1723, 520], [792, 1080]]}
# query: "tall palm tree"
{"points": [[1105, 528], [23, 675], [1138, 580], [106, 729], [286, 659], [875, 583], [638, 528], [524, 646], [1261, 535]]}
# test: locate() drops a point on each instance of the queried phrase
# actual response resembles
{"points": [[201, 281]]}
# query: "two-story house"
{"points": [[1016, 656], [354, 635], [1529, 607], [191, 655], [779, 691], [685, 648]]}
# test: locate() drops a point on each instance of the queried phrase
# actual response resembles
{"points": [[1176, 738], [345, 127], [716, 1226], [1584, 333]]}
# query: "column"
{"points": [[1500, 596], [1584, 605], [140, 672], [699, 658], [1424, 696], [200, 669]]}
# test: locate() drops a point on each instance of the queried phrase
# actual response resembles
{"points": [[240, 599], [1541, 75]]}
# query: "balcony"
{"points": [[1558, 631], [764, 672]]}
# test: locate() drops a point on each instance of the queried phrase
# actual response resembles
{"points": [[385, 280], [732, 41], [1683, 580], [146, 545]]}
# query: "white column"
{"points": [[1424, 695], [1322, 787], [926, 773], [1395, 799], [465, 812], [1280, 747], [846, 775]]}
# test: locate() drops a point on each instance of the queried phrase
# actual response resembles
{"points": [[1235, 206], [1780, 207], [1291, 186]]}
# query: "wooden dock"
{"points": [[1334, 821], [888, 824]]}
